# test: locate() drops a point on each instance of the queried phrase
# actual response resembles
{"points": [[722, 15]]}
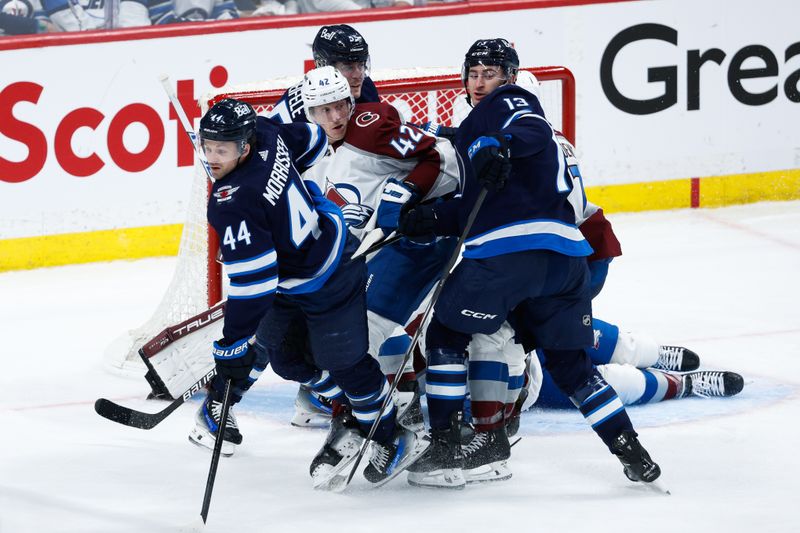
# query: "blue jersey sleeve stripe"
{"points": [[254, 264], [528, 227], [317, 143], [306, 285], [255, 289], [521, 114], [521, 243]]}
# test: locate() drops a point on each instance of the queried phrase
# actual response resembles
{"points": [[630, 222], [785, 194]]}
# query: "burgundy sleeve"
{"points": [[378, 129], [598, 232]]}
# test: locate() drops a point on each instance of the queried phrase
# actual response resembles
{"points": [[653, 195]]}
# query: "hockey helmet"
{"points": [[491, 52], [229, 120], [339, 43], [324, 86]]}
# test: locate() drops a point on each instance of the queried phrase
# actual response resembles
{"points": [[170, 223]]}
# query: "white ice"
{"points": [[721, 281]]}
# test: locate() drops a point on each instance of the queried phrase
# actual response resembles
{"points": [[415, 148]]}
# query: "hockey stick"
{"points": [[187, 126], [445, 274], [375, 247], [137, 419], [212, 470]]}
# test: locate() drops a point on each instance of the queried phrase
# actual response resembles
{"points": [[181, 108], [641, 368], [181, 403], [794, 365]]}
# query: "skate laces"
{"points": [[380, 456], [669, 357], [706, 384], [478, 441], [216, 413]]}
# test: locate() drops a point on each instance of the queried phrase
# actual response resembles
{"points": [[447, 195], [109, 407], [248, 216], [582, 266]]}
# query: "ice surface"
{"points": [[723, 282]]}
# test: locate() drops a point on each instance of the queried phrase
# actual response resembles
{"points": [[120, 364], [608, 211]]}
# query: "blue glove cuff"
{"points": [[480, 143], [234, 351]]}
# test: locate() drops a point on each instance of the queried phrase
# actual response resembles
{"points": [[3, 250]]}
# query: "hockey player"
{"points": [[377, 167], [523, 253], [339, 46], [287, 254]]}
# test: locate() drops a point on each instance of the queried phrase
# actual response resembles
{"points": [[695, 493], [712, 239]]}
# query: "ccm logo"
{"points": [[478, 315]]}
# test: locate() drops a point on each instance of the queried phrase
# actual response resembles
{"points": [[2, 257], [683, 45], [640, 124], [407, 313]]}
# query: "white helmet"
{"points": [[322, 86]]}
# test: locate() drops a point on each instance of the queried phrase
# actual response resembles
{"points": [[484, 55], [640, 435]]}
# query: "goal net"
{"points": [[420, 95]]}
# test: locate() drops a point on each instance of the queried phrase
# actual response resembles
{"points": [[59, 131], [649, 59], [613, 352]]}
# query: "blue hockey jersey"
{"points": [[277, 234], [290, 107], [533, 211]]}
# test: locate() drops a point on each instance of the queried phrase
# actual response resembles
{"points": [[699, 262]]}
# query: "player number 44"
{"points": [[242, 235]]}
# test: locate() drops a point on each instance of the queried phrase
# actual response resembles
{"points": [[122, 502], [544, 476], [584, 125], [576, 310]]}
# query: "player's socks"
{"points": [[602, 408]]}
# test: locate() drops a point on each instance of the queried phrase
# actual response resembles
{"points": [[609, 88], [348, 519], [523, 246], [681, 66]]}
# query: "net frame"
{"points": [[420, 94]]}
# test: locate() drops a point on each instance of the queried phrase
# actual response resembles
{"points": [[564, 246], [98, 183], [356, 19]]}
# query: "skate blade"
{"points": [[448, 478], [658, 487], [420, 446], [308, 420], [206, 440], [334, 480], [497, 471]]}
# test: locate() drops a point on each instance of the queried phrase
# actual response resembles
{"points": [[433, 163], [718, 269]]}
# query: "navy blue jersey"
{"points": [[290, 107], [276, 234], [533, 210]]}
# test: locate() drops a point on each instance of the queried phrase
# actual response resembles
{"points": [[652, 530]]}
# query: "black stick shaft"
{"points": [[445, 274], [212, 471]]}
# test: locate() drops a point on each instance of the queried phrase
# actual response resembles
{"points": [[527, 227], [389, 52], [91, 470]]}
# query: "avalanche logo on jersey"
{"points": [[366, 118], [225, 193], [348, 199]]}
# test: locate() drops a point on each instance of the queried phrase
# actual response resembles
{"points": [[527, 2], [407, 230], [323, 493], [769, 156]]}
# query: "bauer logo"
{"points": [[762, 62]]}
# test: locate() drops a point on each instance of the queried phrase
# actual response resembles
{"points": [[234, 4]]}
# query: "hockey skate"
{"points": [[708, 383], [409, 408], [512, 423], [311, 409], [676, 359], [486, 457], [390, 459], [442, 466], [207, 421], [635, 460], [329, 467]]}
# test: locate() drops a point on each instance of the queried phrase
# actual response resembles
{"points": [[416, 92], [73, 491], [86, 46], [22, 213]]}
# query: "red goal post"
{"points": [[420, 94]]}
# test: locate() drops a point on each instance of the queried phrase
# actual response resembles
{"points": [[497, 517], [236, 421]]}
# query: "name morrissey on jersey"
{"points": [[279, 175]]}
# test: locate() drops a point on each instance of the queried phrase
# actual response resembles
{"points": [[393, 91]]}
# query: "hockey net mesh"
{"points": [[420, 94]]}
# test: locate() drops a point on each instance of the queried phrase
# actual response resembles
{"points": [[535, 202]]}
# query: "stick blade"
{"points": [[125, 416]]}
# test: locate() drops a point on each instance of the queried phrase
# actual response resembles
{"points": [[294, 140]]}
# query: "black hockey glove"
{"points": [[234, 360], [418, 222], [491, 159]]}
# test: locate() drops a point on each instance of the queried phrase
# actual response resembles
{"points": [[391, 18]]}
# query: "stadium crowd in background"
{"points": [[19, 17]]}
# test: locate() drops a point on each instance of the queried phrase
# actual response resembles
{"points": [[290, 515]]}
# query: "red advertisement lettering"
{"points": [[27, 134]]}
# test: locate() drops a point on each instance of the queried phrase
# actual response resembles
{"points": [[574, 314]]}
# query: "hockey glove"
{"points": [[491, 159], [439, 131], [418, 222], [395, 195], [234, 360]]}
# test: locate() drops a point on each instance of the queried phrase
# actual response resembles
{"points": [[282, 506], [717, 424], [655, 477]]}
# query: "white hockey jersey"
{"points": [[379, 146]]}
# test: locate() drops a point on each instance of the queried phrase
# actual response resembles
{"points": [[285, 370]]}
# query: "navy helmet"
{"points": [[491, 52], [339, 43], [229, 120]]}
